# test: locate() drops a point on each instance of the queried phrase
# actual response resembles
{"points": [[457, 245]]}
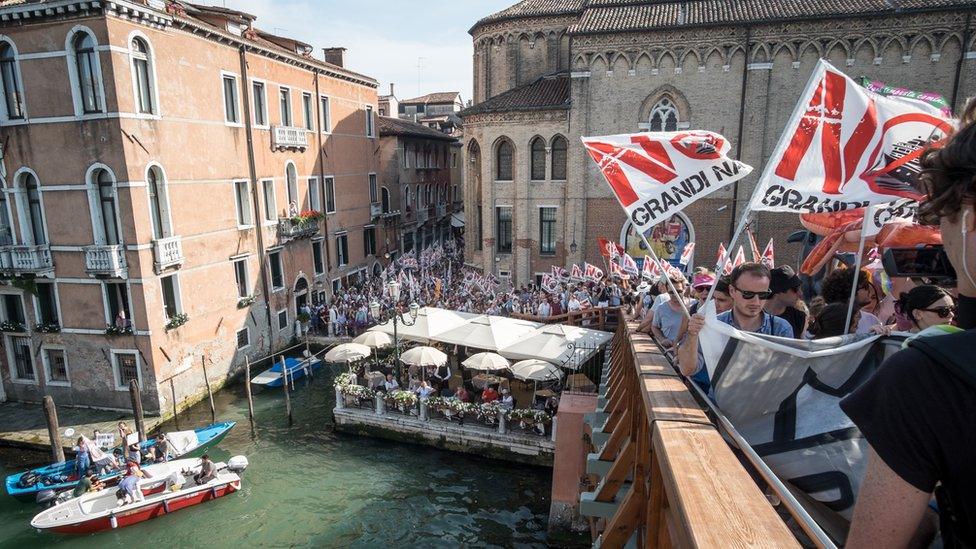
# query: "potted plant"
{"points": [[403, 400], [12, 326], [246, 301], [176, 321], [113, 330], [47, 327]]}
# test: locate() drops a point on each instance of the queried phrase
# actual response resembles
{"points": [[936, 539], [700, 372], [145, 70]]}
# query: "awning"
{"points": [[457, 220], [488, 332], [567, 346], [430, 322]]}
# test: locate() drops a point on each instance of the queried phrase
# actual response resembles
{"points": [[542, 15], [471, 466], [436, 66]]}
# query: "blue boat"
{"points": [[297, 369], [61, 476]]}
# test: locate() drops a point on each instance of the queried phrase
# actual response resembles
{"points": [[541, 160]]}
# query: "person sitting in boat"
{"points": [[82, 458], [162, 448], [207, 472], [89, 483], [489, 394]]}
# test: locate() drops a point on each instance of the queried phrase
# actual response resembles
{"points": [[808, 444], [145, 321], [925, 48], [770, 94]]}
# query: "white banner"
{"points": [[846, 147], [783, 396], [657, 174], [880, 214]]}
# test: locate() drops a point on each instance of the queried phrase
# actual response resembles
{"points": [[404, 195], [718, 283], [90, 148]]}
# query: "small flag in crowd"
{"points": [[608, 249], [687, 253], [756, 256], [549, 283], [740, 257], [651, 268], [592, 272], [559, 273], [617, 271], [576, 273], [767, 256], [721, 252], [628, 264]]}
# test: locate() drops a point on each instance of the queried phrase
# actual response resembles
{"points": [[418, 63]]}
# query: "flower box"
{"points": [[48, 328], [176, 321], [113, 330], [10, 326], [246, 301]]}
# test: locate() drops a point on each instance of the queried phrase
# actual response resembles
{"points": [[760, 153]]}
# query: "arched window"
{"points": [[158, 203], [104, 220], [427, 200], [664, 116], [6, 230], [559, 158], [538, 159], [291, 185], [142, 76], [87, 72], [32, 227], [13, 91], [407, 199], [503, 161], [385, 199]]}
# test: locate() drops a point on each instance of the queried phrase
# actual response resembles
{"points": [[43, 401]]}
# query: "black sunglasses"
{"points": [[943, 312], [749, 295]]}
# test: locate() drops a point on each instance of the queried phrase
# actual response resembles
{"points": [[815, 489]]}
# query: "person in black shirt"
{"points": [[785, 286], [917, 411]]}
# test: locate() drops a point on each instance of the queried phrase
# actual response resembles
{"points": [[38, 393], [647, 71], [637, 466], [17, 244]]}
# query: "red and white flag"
{"points": [[617, 271], [559, 273], [728, 267], [549, 283], [651, 269], [608, 249], [846, 147], [576, 273], [756, 256], [721, 252], [767, 255], [628, 264], [592, 272], [657, 174], [687, 253], [740, 257]]}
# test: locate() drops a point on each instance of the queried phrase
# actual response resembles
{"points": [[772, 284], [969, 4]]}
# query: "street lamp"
{"points": [[390, 312]]}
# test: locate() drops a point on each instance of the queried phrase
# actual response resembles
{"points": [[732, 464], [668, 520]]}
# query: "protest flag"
{"points": [[767, 255], [687, 253]]}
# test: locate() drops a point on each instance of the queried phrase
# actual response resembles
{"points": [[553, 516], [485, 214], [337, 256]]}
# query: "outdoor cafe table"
{"points": [[480, 381]]}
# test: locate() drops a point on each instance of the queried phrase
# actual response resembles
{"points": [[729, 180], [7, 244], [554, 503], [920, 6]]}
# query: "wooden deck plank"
{"points": [[714, 500]]}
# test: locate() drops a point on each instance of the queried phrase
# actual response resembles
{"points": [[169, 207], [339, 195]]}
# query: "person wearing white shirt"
{"points": [[545, 309], [391, 383], [574, 304]]}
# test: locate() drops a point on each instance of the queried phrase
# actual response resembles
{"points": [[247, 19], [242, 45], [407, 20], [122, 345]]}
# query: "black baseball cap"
{"points": [[783, 278]]}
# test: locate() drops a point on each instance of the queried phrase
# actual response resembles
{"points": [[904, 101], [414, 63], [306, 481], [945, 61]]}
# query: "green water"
{"points": [[309, 486]]}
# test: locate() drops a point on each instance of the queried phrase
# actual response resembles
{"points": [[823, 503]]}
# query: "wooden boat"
{"points": [[297, 369], [61, 476], [99, 511]]}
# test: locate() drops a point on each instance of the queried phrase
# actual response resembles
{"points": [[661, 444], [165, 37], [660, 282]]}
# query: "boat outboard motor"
{"points": [[50, 498], [237, 464]]}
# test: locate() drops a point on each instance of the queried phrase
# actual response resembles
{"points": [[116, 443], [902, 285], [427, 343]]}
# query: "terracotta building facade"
{"points": [[548, 72], [177, 183]]}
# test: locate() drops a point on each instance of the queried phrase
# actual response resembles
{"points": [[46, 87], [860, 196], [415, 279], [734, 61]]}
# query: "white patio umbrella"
{"points": [[347, 352], [488, 362], [424, 356], [375, 340], [535, 370]]}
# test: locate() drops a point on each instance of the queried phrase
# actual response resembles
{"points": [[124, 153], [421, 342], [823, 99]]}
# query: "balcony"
{"points": [[167, 252], [289, 229], [289, 137], [441, 210], [105, 261], [422, 214], [375, 209], [20, 260]]}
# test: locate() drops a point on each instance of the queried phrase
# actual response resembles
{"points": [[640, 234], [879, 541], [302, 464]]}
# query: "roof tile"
{"points": [[398, 126], [544, 93]]}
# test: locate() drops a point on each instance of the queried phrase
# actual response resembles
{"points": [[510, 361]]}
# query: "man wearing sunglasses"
{"points": [[749, 290]]}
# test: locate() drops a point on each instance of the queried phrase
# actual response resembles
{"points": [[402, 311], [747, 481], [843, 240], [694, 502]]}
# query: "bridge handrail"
{"points": [[687, 488], [599, 318]]}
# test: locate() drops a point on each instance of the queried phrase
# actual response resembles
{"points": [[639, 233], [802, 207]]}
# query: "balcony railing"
{"points": [[441, 210], [375, 209], [289, 137], [422, 214], [105, 261], [167, 252], [291, 230], [18, 260]]}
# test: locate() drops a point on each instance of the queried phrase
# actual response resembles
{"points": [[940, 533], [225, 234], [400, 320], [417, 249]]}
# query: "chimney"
{"points": [[391, 88], [334, 56]]}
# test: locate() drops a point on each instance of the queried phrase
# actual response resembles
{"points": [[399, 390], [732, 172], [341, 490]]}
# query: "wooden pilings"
{"points": [[172, 391], [136, 397], [51, 416], [247, 389], [206, 379], [284, 379]]}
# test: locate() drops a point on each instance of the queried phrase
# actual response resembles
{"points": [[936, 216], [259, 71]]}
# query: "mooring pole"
{"points": [[136, 399], [206, 379], [53, 431], [247, 389], [284, 378], [172, 391]]}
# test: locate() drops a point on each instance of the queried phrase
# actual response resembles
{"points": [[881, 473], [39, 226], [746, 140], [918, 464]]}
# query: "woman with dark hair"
{"points": [[829, 321], [926, 306]]}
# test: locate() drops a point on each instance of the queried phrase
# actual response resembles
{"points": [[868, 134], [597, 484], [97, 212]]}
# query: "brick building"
{"points": [[547, 72], [164, 164], [419, 187]]}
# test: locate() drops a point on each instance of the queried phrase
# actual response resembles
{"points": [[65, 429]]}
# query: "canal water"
{"points": [[310, 486]]}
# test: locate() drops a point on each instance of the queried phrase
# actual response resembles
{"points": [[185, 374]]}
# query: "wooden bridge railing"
{"points": [[684, 486], [597, 318]]}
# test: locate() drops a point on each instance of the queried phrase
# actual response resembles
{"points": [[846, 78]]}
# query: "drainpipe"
{"points": [[252, 172], [318, 141], [962, 59], [738, 138]]}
